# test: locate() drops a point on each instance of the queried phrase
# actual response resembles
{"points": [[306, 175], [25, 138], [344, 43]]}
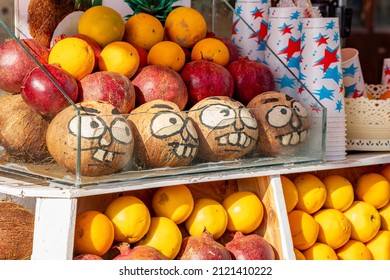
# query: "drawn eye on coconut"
{"points": [[283, 122], [164, 135], [106, 139], [227, 130]]}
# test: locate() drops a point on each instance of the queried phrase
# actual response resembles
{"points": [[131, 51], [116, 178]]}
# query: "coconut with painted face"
{"points": [[227, 130], [164, 135], [106, 140], [283, 123]]}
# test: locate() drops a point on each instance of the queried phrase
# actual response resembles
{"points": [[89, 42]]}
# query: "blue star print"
{"points": [[264, 1], [330, 25], [239, 10], [295, 15], [339, 105], [294, 62], [324, 93], [336, 37], [350, 71], [285, 81], [333, 73], [350, 90]]}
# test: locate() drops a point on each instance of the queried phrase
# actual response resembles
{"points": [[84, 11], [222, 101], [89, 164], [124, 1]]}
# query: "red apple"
{"points": [[112, 87], [45, 96], [251, 78]]}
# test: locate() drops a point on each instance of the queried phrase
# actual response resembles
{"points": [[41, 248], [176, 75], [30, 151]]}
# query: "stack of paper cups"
{"points": [[250, 25], [321, 75], [282, 54], [386, 72], [352, 73]]}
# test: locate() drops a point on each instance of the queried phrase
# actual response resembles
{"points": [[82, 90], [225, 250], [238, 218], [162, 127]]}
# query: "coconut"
{"points": [[283, 123], [22, 130], [106, 140], [164, 135], [16, 231], [226, 129]]}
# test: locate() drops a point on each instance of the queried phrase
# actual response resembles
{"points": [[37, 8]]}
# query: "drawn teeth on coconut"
{"points": [[233, 138], [295, 138], [303, 135]]}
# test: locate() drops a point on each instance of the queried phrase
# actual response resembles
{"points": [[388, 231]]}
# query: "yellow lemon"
{"points": [[335, 228], [167, 53], [290, 193], [373, 188], [74, 55], [353, 250], [365, 220], [103, 24], [174, 202], [211, 49], [311, 192], [208, 214], [143, 30], [245, 211], [130, 217], [119, 57], [384, 213], [320, 251], [304, 229], [163, 235], [339, 192], [379, 246], [298, 255]]}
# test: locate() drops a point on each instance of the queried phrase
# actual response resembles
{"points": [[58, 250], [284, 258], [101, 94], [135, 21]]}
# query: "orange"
{"points": [[298, 255], [103, 24], [385, 95], [163, 235], [320, 251], [143, 30], [379, 246], [119, 57], [211, 49], [174, 202], [290, 193], [185, 26], [339, 192], [335, 228], [208, 214], [74, 55], [304, 229], [311, 192], [384, 214], [245, 211], [385, 171], [130, 217], [167, 53], [353, 250], [373, 188], [94, 233]]}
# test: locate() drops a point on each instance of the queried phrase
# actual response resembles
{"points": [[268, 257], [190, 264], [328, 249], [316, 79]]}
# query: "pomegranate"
{"points": [[15, 62], [204, 78], [45, 96], [112, 87], [87, 257], [202, 248], [160, 82], [250, 247], [250, 79], [140, 252], [143, 54]]}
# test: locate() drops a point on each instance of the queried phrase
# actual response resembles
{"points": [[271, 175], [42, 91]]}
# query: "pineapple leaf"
{"points": [[159, 9]]}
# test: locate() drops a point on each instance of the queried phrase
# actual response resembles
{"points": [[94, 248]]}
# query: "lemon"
{"points": [[163, 235], [353, 250], [379, 246], [384, 214], [174, 202], [208, 214], [320, 251], [311, 192], [335, 228], [339, 192], [130, 217], [298, 255], [304, 229], [245, 211], [365, 220], [373, 188], [290, 193]]}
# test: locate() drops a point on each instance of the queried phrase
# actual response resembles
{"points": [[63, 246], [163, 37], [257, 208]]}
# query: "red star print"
{"points": [[356, 94], [314, 108], [322, 40], [262, 33], [258, 14], [291, 48], [328, 59], [234, 27], [387, 71], [300, 90], [341, 89], [286, 30]]}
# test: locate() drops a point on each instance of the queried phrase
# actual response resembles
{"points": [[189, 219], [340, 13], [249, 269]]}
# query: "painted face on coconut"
{"points": [[106, 138], [164, 135], [227, 130], [283, 122]]}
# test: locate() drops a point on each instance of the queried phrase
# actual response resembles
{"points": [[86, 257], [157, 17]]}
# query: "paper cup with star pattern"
{"points": [[352, 73], [282, 54], [386, 72]]}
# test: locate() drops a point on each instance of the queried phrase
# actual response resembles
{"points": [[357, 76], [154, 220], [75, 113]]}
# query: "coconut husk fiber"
{"points": [[16, 231]]}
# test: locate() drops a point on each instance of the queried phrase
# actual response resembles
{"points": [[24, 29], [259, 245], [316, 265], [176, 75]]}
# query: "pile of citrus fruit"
{"points": [[171, 214], [332, 219]]}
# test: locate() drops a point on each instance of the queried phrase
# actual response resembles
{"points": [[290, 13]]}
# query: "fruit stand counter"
{"points": [[56, 206]]}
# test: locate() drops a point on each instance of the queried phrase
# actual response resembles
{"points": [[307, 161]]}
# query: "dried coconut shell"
{"points": [[16, 231], [283, 123], [164, 135], [22, 130]]}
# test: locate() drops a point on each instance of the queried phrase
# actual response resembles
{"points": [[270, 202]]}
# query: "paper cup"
{"points": [[352, 73], [386, 72]]}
